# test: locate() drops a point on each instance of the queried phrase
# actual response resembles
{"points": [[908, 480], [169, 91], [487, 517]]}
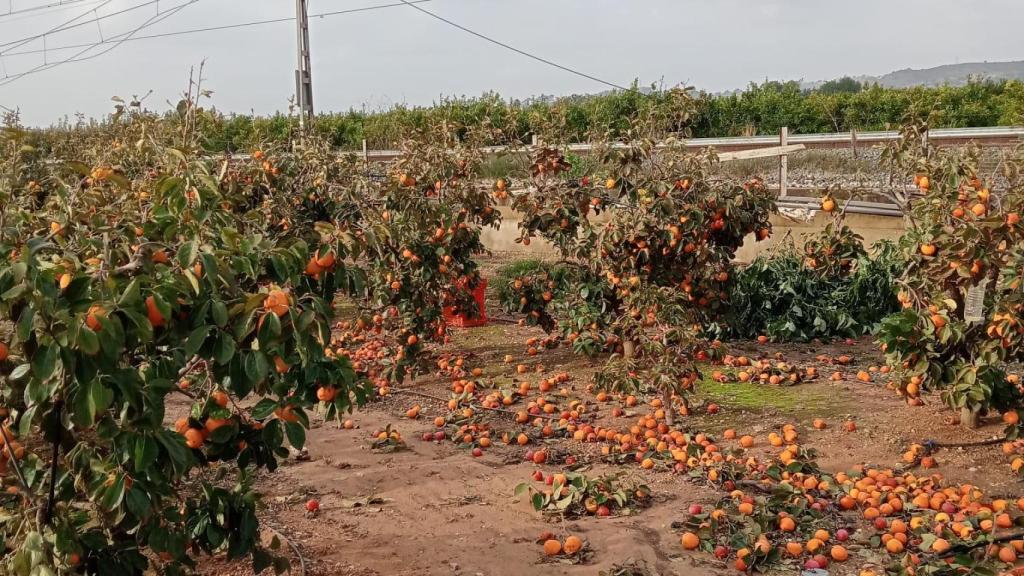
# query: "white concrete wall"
{"points": [[872, 228]]}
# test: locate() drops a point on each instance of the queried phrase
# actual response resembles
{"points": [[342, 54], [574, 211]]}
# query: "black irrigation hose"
{"points": [[967, 548], [292, 545], [992, 441]]}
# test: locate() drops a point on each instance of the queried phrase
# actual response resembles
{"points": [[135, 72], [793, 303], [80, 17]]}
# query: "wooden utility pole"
{"points": [[303, 74]]}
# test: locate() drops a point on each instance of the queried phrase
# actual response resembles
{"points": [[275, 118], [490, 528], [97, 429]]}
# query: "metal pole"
{"points": [[303, 74], [783, 162]]}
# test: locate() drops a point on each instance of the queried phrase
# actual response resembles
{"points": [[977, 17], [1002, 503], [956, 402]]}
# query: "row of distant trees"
{"points": [[835, 106]]}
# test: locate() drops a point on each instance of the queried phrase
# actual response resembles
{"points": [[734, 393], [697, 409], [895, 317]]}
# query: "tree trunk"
{"points": [[968, 417], [670, 409], [628, 348]]}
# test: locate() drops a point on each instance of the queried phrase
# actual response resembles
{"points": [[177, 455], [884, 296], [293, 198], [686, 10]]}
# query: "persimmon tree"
{"points": [[132, 274], [412, 228], [965, 243], [662, 254]]}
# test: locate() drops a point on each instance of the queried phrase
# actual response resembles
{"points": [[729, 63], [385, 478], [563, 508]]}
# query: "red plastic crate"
{"points": [[460, 320]]}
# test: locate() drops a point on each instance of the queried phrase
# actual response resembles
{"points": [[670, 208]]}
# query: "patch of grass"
{"points": [[802, 402], [473, 339], [514, 165], [520, 268]]}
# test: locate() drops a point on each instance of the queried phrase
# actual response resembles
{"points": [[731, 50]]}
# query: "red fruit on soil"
{"points": [[695, 509], [477, 452], [427, 436], [550, 480], [842, 535], [712, 408], [881, 524], [811, 564], [312, 506], [603, 511], [822, 560], [539, 457], [721, 552], [438, 436], [528, 456], [538, 476]]}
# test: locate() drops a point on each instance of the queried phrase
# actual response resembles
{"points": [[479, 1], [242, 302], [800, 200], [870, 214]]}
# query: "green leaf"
{"points": [[146, 451], [120, 180], [220, 313], [143, 329], [168, 184], [44, 363], [296, 434], [102, 396], [256, 366], [90, 399], [20, 372], [270, 328], [14, 292], [224, 349], [195, 340], [263, 409], [224, 433], [88, 342], [113, 495], [111, 337], [131, 294], [174, 444], [79, 167], [25, 324], [137, 502], [187, 253], [192, 280]]}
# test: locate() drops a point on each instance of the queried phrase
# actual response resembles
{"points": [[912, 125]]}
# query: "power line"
{"points": [[57, 5], [217, 28], [21, 42], [70, 24], [513, 48], [78, 57]]}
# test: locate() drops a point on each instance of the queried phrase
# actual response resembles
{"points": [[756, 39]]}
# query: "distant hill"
{"points": [[947, 74]]}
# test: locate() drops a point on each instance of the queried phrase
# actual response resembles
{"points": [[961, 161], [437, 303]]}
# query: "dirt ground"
{"points": [[433, 509]]}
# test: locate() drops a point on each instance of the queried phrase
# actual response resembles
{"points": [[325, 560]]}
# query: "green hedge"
{"points": [[760, 109]]}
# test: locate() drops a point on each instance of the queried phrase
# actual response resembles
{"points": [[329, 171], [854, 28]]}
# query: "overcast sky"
{"points": [[395, 55]]}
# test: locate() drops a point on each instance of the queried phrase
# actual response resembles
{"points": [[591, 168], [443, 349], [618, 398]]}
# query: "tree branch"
{"points": [[14, 462]]}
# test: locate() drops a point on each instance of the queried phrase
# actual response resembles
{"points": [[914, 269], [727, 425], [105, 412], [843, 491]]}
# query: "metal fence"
{"points": [[781, 147]]}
